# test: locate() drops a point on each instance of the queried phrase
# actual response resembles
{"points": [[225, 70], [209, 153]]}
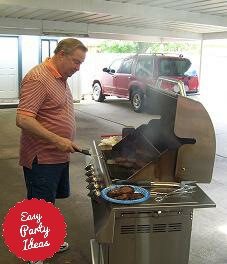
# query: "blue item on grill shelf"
{"points": [[137, 189]]}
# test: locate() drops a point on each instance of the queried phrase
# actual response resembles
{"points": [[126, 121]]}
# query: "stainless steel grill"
{"points": [[176, 149]]}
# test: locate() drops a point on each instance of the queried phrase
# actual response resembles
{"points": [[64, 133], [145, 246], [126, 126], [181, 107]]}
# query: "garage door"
{"points": [[9, 67]]}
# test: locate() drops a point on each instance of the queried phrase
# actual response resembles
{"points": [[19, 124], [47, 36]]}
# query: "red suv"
{"points": [[130, 77]]}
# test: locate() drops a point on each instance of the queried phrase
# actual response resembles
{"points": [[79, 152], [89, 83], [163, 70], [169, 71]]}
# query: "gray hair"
{"points": [[69, 45]]}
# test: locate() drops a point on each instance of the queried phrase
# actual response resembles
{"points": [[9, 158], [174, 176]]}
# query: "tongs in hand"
{"points": [[83, 151], [86, 152]]}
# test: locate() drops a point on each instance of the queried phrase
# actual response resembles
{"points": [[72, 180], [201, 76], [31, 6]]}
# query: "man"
{"points": [[45, 115]]}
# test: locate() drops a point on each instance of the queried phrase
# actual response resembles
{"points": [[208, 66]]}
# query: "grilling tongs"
{"points": [[86, 152], [83, 151]]}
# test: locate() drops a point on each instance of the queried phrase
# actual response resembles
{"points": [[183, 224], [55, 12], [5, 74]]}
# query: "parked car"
{"points": [[129, 77]]}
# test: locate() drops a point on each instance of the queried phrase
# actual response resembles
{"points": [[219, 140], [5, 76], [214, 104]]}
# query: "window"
{"points": [[174, 67], [47, 48], [116, 65], [126, 66], [144, 67]]}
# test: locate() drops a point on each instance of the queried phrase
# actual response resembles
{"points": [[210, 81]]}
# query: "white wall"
{"points": [[30, 52], [8, 67], [214, 65], [213, 78], [74, 83]]}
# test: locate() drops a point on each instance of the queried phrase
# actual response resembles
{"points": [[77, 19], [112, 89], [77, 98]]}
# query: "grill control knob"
{"points": [[89, 180], [90, 186], [90, 173], [91, 195], [97, 193], [92, 179], [96, 179], [89, 167], [94, 185], [94, 194]]}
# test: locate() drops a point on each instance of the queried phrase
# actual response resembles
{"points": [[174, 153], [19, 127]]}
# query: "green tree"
{"points": [[145, 47]]}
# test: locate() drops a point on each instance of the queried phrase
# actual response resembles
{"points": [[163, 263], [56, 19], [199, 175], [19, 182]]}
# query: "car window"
{"points": [[126, 66], [144, 66], [116, 65], [174, 67], [191, 72]]}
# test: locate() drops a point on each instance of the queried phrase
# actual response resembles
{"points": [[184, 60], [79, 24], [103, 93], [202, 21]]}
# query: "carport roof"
{"points": [[147, 20]]}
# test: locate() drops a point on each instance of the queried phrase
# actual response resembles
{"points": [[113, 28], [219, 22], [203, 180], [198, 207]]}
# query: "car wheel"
{"points": [[97, 93], [137, 101]]}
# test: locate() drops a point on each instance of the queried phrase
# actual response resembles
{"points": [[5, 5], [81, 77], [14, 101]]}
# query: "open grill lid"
{"points": [[184, 130], [196, 161]]}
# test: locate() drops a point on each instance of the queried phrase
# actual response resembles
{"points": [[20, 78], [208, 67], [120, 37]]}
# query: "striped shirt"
{"points": [[46, 97]]}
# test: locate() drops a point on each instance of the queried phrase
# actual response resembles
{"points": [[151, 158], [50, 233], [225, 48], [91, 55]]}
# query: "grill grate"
{"points": [[156, 228]]}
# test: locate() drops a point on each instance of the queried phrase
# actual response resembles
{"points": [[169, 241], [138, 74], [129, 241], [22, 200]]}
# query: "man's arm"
{"points": [[32, 126]]}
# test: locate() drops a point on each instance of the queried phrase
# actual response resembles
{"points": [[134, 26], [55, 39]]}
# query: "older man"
{"points": [[46, 117]]}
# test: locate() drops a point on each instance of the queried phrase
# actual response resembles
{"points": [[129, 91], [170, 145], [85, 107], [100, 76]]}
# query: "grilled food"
{"points": [[114, 193], [126, 190], [135, 196], [124, 193], [123, 196], [127, 162]]}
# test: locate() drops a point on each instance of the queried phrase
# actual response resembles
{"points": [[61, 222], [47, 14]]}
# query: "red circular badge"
{"points": [[34, 230]]}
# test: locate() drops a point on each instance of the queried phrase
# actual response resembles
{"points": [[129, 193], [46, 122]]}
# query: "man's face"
{"points": [[70, 63]]}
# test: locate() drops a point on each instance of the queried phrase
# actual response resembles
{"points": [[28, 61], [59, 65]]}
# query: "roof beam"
{"points": [[121, 9], [218, 35], [39, 27], [151, 32], [20, 26], [125, 37]]}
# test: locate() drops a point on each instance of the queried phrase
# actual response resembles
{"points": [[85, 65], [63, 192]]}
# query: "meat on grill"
{"points": [[129, 162]]}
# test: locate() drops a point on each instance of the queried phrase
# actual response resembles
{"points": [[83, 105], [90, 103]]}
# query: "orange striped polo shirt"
{"points": [[46, 97]]}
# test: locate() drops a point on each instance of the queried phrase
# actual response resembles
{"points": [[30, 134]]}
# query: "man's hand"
{"points": [[65, 145]]}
